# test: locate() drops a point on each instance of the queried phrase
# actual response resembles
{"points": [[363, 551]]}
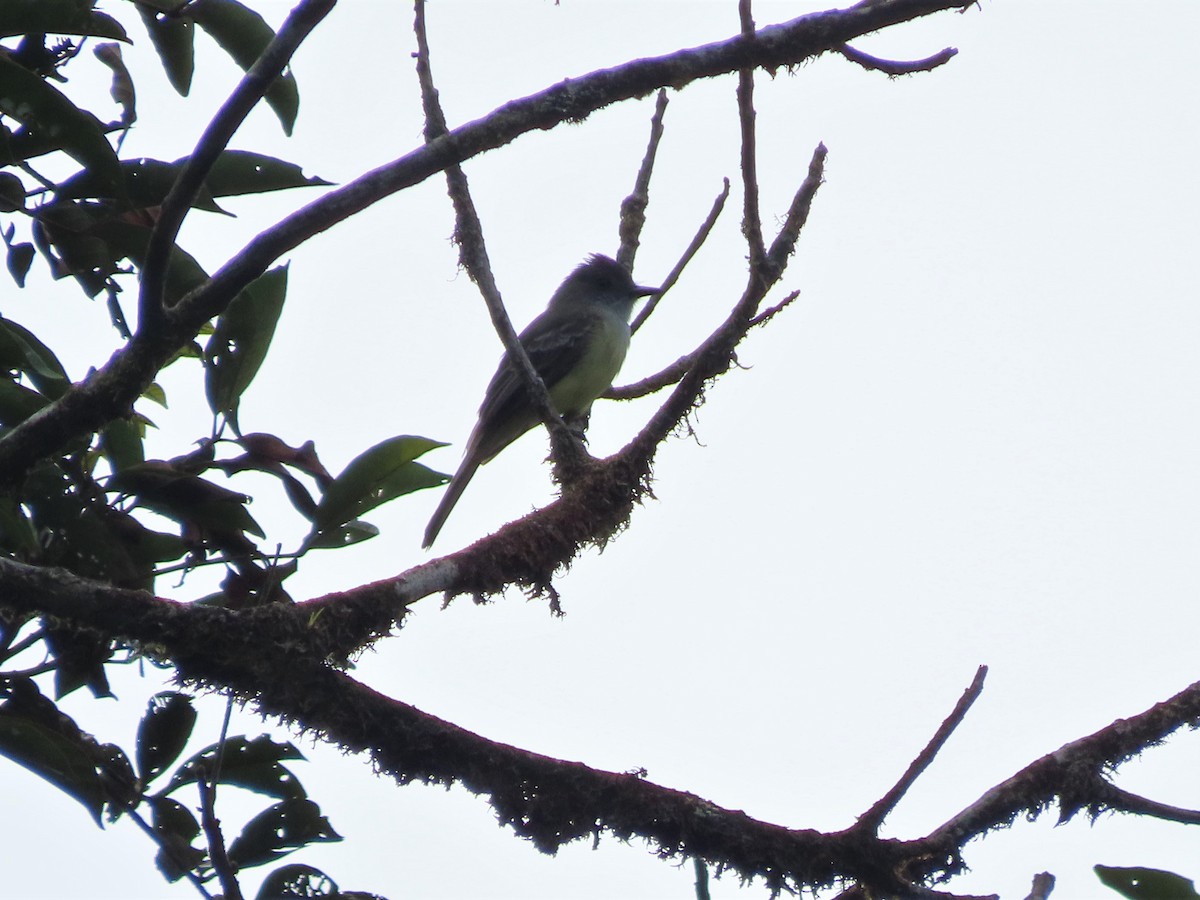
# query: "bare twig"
{"points": [[772, 311], [1043, 884], [633, 207], [171, 850], [656, 382], [472, 249], [230, 888], [250, 90], [797, 214], [693, 248], [1071, 773], [676, 370], [701, 870], [873, 818], [1123, 801], [716, 353], [751, 217], [892, 68]]}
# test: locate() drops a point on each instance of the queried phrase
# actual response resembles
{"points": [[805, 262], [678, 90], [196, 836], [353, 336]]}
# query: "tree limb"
{"points": [[250, 90], [110, 392]]}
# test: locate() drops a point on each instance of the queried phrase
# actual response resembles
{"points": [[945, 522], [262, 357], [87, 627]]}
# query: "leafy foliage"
{"points": [[102, 778], [104, 508]]}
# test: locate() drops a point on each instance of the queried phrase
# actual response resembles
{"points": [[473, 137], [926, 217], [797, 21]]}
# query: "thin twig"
{"points": [[1043, 884], [873, 818], [751, 216], [1123, 801], [221, 864], [716, 353], [892, 68], [656, 382], [250, 90], [676, 370], [692, 249], [797, 214], [1058, 774], [701, 870], [472, 249], [633, 207], [772, 311], [170, 850]]}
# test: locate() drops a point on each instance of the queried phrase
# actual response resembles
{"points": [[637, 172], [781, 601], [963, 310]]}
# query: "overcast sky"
{"points": [[972, 441]]}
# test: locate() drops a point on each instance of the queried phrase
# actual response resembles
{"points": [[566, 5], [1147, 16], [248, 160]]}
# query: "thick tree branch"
{"points": [[250, 90], [552, 802], [268, 655], [111, 391]]}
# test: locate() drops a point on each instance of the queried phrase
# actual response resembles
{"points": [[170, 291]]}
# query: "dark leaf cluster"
{"points": [[110, 785]]}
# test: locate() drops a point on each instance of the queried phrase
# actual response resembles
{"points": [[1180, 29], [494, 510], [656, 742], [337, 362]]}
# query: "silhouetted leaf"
{"points": [[278, 830], [354, 532], [175, 828], [243, 172], [17, 534], [173, 39], [156, 394], [45, 112], [12, 194], [79, 658], [18, 17], [146, 183], [121, 442], [163, 733], [17, 402], [188, 499], [122, 84], [1138, 883], [251, 764], [35, 735], [244, 34], [266, 451], [375, 476], [21, 350], [241, 340], [298, 881], [20, 258]]}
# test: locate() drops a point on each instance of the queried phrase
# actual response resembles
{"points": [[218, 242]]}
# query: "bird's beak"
{"points": [[639, 291]]}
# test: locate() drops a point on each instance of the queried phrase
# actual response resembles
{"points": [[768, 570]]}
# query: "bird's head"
{"points": [[601, 280]]}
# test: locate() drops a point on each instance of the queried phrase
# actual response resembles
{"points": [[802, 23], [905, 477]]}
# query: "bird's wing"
{"points": [[555, 349]]}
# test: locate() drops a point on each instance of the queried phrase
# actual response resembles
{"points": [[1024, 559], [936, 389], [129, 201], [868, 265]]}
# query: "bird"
{"points": [[577, 346]]}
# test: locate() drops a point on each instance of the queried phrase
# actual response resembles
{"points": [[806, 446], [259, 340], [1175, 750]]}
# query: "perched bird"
{"points": [[577, 346]]}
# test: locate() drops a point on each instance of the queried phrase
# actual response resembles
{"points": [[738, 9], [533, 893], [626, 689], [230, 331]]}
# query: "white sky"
{"points": [[973, 440]]}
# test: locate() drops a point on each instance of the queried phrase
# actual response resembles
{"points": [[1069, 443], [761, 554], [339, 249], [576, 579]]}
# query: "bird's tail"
{"points": [[454, 490]]}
